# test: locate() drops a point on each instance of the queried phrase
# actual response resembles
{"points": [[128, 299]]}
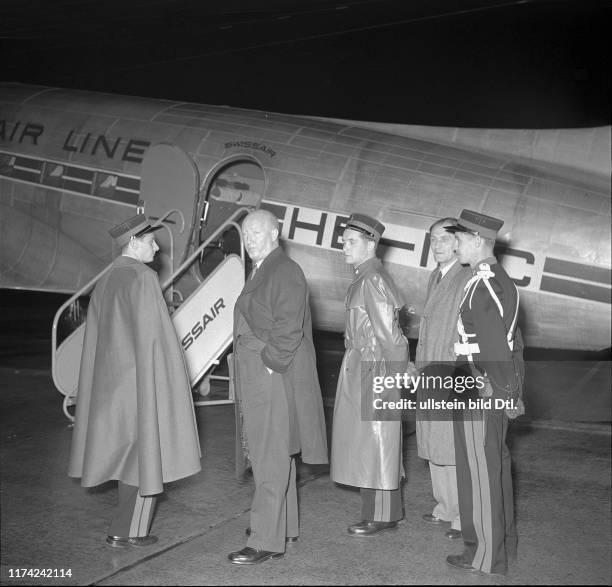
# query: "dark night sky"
{"points": [[440, 62]]}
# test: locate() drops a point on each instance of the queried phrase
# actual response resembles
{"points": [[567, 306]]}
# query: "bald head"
{"points": [[265, 217], [260, 231]]}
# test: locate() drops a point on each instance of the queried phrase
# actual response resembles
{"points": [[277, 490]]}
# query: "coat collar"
{"points": [[264, 267], [366, 267], [434, 291], [125, 261]]}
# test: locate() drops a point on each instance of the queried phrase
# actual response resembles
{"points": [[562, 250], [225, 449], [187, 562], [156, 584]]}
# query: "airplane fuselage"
{"points": [[71, 166]]}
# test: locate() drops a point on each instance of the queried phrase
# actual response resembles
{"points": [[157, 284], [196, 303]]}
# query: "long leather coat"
{"points": [[367, 453]]}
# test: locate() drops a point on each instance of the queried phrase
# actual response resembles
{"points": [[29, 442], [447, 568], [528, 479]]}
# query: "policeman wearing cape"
{"points": [[134, 421]]}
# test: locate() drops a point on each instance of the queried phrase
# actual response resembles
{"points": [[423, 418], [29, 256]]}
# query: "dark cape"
{"points": [[135, 420]]}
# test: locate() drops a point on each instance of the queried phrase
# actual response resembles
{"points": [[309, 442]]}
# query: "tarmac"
{"points": [[561, 473]]}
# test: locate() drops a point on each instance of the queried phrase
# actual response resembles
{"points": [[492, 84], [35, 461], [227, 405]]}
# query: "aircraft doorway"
{"points": [[238, 183]]}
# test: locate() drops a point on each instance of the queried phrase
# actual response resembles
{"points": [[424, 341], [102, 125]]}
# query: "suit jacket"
{"points": [[437, 335], [135, 420], [274, 304]]}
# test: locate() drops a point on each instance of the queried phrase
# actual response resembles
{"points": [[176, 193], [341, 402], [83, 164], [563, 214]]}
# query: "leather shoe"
{"points": [[458, 562], [252, 556], [124, 541], [365, 528], [431, 519], [453, 534], [288, 539]]}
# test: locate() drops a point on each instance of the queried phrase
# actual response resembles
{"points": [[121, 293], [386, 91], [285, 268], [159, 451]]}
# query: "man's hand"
{"points": [[411, 370], [487, 390], [517, 411]]}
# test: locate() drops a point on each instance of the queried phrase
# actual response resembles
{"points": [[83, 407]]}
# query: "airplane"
{"points": [[74, 163]]}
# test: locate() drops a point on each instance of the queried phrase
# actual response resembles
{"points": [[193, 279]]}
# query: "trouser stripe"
{"points": [[134, 513], [140, 516], [474, 429], [381, 505]]}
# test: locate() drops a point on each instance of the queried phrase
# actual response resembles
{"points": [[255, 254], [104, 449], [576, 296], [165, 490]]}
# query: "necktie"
{"points": [[254, 271], [439, 278]]}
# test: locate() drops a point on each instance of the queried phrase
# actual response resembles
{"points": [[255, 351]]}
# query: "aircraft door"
{"points": [[170, 181], [236, 184]]}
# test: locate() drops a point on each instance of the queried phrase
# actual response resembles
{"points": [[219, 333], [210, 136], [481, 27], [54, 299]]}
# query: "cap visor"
{"points": [[362, 230], [459, 228], [147, 230]]}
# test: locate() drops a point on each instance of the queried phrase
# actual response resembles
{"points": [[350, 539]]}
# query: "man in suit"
{"points": [[435, 355], [367, 452], [486, 331], [277, 387], [134, 420]]}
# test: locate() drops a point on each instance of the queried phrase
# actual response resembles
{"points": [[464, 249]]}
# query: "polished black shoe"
{"points": [[288, 540], [453, 534], [365, 528], [431, 519], [252, 556], [458, 562], [125, 541]]}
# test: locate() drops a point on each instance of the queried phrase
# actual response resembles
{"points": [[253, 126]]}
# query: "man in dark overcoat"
{"points": [[277, 387], [134, 421]]}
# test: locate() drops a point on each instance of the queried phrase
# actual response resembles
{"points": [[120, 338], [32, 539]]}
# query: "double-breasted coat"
{"points": [[274, 304], [134, 419], [367, 453], [435, 351]]}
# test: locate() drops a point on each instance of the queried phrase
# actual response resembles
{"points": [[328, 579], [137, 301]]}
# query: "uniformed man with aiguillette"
{"points": [[486, 331]]}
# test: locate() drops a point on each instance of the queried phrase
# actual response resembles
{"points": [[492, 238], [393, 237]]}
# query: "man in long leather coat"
{"points": [[135, 421], [367, 452], [276, 386]]}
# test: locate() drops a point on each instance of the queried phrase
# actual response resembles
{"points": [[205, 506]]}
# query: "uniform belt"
{"points": [[361, 349], [466, 348]]}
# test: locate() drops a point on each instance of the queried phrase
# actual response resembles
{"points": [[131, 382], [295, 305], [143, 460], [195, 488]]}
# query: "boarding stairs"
{"points": [[203, 321]]}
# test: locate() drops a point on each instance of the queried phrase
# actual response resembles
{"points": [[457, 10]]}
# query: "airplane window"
{"points": [[7, 162], [105, 185], [53, 174]]}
